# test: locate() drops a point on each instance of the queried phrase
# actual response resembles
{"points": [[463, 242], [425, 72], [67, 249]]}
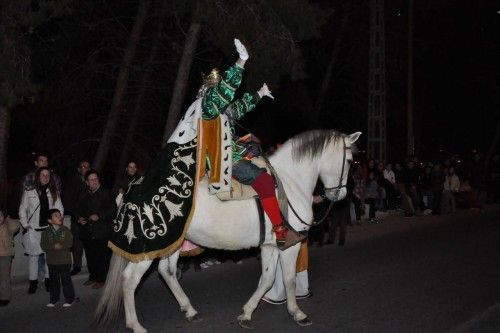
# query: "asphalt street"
{"points": [[422, 274]]}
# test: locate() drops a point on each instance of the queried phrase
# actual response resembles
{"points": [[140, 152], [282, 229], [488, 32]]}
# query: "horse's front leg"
{"points": [[167, 268], [269, 259], [131, 277], [288, 260]]}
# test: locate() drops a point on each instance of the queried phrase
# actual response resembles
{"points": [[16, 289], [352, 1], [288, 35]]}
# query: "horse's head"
{"points": [[335, 164]]}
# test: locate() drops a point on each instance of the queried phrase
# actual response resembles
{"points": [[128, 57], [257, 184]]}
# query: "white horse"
{"points": [[221, 225]]}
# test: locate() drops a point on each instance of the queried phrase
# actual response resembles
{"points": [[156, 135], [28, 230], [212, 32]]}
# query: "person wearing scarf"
{"points": [[33, 215]]}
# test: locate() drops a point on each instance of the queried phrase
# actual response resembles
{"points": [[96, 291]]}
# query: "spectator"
{"points": [[33, 215], [56, 242], [390, 186], [372, 194], [451, 187], [370, 167], [95, 213], [410, 181], [477, 178], [131, 174], [339, 217], [8, 228], [437, 183], [380, 170], [276, 294], [41, 160], [320, 205], [358, 197], [398, 172], [468, 196], [74, 187], [426, 192]]}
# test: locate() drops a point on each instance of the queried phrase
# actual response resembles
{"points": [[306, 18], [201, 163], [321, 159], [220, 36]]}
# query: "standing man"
{"points": [[96, 210], [74, 187], [41, 160]]}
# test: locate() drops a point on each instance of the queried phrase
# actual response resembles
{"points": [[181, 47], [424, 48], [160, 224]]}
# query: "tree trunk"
{"points": [[121, 87], [136, 112], [315, 115], [5, 118], [182, 78]]}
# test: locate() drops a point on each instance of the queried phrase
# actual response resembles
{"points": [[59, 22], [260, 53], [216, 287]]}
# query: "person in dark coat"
{"points": [[74, 187], [410, 181], [437, 185], [96, 210]]}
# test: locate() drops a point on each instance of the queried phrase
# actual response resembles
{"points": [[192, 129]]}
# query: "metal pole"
{"points": [[410, 127]]}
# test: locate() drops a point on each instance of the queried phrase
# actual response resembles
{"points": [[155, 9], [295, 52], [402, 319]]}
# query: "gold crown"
{"points": [[212, 78]]}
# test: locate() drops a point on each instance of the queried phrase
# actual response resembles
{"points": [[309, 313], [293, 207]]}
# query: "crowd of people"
{"points": [[412, 188], [54, 251]]}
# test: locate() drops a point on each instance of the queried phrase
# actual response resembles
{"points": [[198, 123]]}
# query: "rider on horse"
{"points": [[217, 93]]}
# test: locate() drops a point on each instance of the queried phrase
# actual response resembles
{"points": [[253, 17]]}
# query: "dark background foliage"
{"points": [[76, 56]]}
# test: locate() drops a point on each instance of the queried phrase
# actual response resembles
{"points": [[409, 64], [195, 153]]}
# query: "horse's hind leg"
{"points": [[167, 268], [131, 277], [269, 258], [288, 260]]}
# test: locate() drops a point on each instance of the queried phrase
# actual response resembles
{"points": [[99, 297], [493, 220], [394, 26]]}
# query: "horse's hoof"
{"points": [[245, 323], [194, 319], [304, 322], [136, 329]]}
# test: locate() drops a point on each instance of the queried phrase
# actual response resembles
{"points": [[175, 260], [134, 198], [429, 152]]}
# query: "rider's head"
{"points": [[210, 80]]}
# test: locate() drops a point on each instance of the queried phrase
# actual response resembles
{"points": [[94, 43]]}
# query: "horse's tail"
{"points": [[110, 304]]}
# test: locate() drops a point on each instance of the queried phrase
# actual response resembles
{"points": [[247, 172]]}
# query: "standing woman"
{"points": [[33, 215]]}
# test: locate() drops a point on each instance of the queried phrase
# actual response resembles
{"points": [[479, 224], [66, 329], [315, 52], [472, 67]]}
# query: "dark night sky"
{"points": [[457, 47], [457, 74]]}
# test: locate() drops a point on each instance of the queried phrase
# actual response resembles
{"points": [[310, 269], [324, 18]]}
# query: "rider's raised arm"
{"points": [[241, 106], [217, 98], [247, 103]]}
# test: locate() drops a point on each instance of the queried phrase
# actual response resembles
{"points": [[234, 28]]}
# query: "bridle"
{"points": [[335, 190]]}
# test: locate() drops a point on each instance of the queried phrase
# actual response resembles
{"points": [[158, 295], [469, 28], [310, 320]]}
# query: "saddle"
{"points": [[239, 191]]}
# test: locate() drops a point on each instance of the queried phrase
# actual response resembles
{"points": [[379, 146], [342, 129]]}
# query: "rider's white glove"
{"points": [[264, 91], [241, 49]]}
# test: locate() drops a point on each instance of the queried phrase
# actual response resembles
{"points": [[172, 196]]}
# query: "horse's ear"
{"points": [[353, 137]]}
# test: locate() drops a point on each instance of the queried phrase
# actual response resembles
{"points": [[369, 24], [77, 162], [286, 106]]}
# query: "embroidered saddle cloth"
{"points": [[156, 211]]}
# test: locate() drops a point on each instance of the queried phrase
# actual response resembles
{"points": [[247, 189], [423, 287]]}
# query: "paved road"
{"points": [[425, 274]]}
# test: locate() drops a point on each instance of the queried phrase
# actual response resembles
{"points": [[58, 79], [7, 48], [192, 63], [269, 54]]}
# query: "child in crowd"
{"points": [[56, 242], [8, 228]]}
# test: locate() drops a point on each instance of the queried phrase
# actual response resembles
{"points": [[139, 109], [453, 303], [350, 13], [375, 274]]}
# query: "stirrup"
{"points": [[292, 237]]}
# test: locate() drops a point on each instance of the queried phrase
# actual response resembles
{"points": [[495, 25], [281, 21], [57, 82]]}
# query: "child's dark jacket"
{"points": [[50, 237]]}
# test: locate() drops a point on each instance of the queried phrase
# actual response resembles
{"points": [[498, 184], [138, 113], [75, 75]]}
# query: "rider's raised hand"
{"points": [[264, 91], [241, 49]]}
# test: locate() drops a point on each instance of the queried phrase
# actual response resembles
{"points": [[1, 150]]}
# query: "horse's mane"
{"points": [[312, 143]]}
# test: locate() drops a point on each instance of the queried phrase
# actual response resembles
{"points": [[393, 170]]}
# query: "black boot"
{"points": [[33, 286], [47, 284]]}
